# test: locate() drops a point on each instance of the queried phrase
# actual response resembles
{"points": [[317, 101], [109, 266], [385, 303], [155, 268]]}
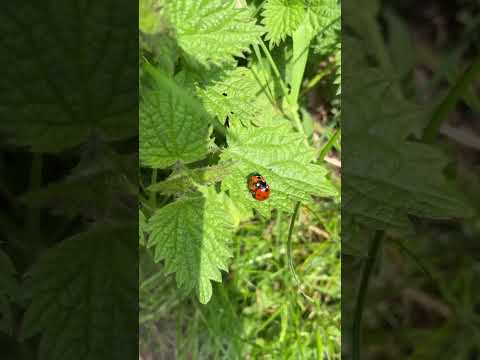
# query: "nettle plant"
{"points": [[220, 97], [395, 175]]}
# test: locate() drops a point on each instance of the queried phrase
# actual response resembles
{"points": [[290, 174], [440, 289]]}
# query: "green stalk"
{"points": [[289, 243], [362, 292], [279, 230], [450, 101], [416, 260], [276, 72], [328, 146], [301, 45], [292, 107], [377, 42], [290, 254], [265, 73]]}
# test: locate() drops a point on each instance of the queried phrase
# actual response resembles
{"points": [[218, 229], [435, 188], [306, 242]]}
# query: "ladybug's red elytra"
{"points": [[258, 187]]}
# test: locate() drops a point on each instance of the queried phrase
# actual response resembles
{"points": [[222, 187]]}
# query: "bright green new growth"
{"points": [[281, 18], [212, 31], [173, 125], [191, 235], [279, 153]]}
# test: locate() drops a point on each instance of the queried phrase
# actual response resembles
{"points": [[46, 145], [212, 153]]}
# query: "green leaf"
{"points": [[388, 178], [328, 39], [282, 18], [173, 125], [212, 31], [82, 300], [279, 153], [228, 95], [401, 45], [163, 51], [383, 184], [324, 16], [8, 293], [191, 236], [61, 91]]}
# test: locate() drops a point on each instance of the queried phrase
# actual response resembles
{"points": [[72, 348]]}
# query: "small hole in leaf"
{"points": [[224, 94]]}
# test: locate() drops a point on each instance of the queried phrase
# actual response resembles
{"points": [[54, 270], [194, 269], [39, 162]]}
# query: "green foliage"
{"points": [[66, 92], [200, 218], [282, 18], [388, 176], [74, 308], [324, 18], [226, 97], [216, 107], [397, 178], [69, 110], [280, 154], [211, 31], [149, 18], [173, 125], [191, 235]]}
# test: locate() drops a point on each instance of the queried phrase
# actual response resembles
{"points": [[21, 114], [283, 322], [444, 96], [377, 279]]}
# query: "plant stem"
{"points": [[274, 68], [301, 44], [279, 230], [292, 107], [450, 101], [265, 75], [417, 261], [328, 146], [289, 242], [290, 255], [362, 292]]}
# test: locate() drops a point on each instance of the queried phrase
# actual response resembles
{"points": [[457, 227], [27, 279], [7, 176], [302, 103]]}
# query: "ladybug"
{"points": [[258, 187]]}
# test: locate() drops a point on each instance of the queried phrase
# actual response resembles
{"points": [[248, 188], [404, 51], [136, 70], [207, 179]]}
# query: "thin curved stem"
{"points": [[362, 292], [289, 243], [290, 255], [450, 101]]}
